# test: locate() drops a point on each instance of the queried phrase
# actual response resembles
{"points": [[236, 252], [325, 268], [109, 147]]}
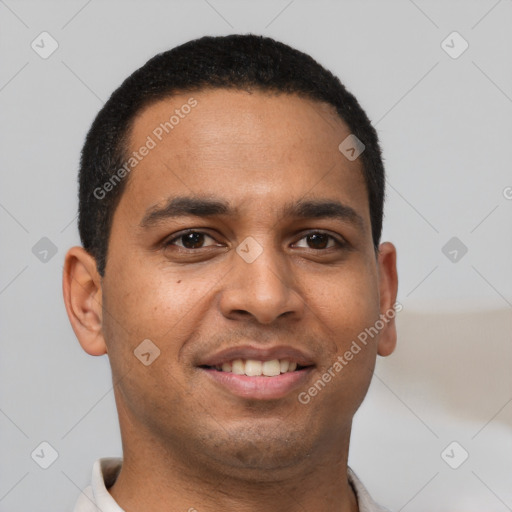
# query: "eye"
{"points": [[191, 240], [319, 241]]}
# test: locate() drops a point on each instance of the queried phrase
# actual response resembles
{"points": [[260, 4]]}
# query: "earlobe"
{"points": [[81, 287], [388, 287]]}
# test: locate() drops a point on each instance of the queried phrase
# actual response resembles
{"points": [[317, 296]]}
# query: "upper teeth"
{"points": [[254, 368]]}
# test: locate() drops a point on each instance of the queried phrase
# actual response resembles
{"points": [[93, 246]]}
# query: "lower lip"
{"points": [[260, 388]]}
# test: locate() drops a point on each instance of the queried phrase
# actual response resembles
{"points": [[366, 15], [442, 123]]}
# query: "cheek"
{"points": [[152, 302], [346, 307], [145, 306], [158, 305], [347, 303]]}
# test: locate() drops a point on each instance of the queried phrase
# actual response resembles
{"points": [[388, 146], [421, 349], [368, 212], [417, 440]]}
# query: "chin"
{"points": [[252, 455]]}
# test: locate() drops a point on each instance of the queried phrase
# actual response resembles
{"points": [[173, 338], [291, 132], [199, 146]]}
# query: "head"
{"points": [[216, 211]]}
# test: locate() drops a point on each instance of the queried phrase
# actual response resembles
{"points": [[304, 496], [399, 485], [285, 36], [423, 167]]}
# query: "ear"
{"points": [[81, 287], [388, 287]]}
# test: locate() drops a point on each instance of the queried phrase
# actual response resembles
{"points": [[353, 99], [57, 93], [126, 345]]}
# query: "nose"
{"points": [[263, 289]]}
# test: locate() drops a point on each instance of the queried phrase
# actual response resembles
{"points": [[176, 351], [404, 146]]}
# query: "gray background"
{"points": [[445, 124]]}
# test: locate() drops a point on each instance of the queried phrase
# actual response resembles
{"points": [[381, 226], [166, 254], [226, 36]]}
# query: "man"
{"points": [[231, 196]]}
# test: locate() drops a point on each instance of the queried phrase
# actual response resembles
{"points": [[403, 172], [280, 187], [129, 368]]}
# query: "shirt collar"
{"points": [[364, 500]]}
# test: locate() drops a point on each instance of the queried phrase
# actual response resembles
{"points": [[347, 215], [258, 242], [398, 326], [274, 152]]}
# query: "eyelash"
{"points": [[340, 244]]}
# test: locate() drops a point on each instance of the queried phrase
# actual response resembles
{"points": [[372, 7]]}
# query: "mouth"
{"points": [[255, 373]]}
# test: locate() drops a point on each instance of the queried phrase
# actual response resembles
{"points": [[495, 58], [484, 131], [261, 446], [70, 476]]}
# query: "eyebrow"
{"points": [[186, 206]]}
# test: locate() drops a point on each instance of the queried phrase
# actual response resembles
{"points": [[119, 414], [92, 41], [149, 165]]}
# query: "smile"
{"points": [[251, 383], [255, 368]]}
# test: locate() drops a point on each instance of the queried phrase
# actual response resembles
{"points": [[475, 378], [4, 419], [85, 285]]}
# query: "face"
{"points": [[243, 234]]}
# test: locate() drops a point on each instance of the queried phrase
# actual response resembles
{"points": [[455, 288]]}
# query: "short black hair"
{"points": [[230, 62]]}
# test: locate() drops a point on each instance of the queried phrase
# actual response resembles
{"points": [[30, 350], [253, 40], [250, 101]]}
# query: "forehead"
{"points": [[250, 148], [256, 117]]}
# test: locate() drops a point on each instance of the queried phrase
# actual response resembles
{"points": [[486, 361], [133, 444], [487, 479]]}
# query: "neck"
{"points": [[154, 479]]}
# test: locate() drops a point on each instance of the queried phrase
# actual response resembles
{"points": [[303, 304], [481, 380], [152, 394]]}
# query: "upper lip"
{"points": [[260, 354]]}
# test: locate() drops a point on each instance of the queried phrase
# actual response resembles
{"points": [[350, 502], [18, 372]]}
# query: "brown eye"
{"points": [[320, 241], [190, 240]]}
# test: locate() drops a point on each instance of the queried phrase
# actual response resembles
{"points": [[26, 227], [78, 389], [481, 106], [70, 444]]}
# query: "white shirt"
{"points": [[96, 497]]}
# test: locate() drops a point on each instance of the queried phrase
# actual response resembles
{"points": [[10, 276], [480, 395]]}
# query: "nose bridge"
{"points": [[260, 283]]}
